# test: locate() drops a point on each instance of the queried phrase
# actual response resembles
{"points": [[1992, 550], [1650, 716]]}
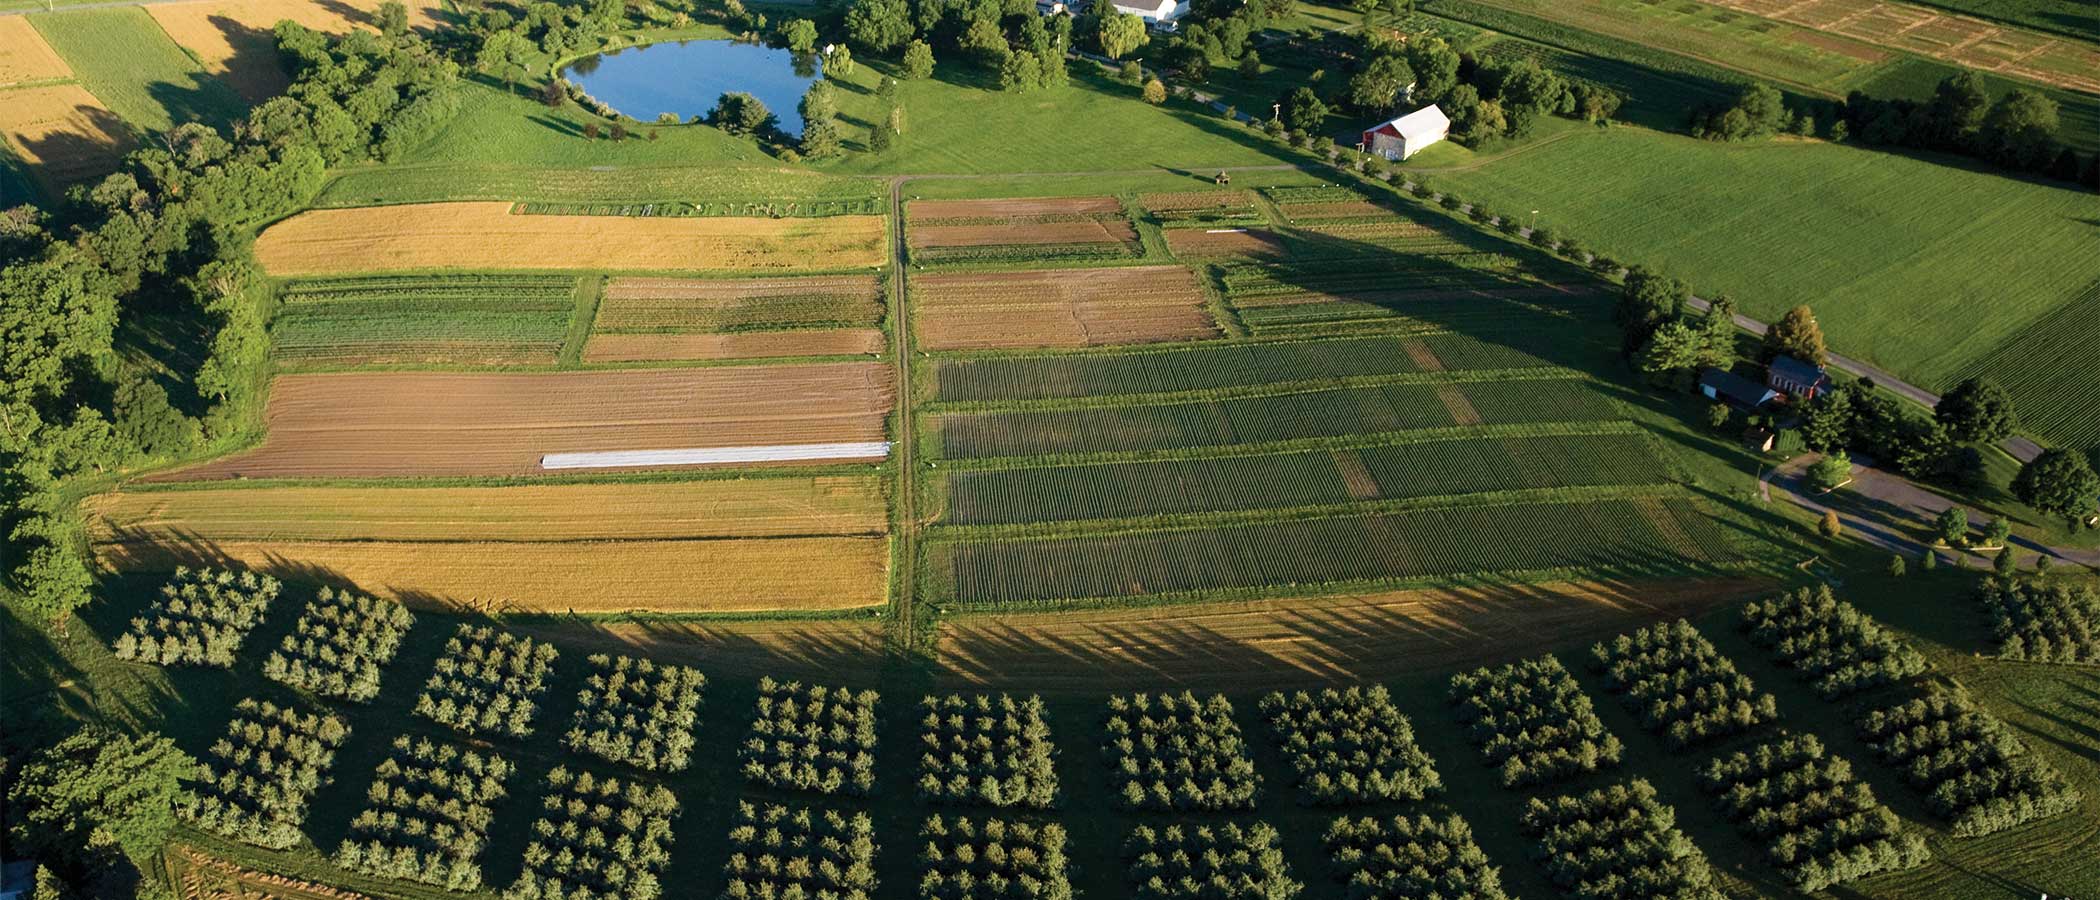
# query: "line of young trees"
{"points": [[1411, 856], [776, 853], [200, 619], [487, 683], [256, 785], [637, 712], [428, 816], [1350, 746], [1174, 752], [1617, 841], [339, 645], [1680, 685], [2043, 622], [597, 839], [1228, 861], [1973, 770], [992, 858], [1818, 824], [994, 752], [812, 738], [1532, 722], [1829, 643]]}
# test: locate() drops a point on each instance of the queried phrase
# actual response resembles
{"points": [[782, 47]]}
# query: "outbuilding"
{"points": [[1803, 380], [1159, 15], [1406, 136], [1735, 390]]}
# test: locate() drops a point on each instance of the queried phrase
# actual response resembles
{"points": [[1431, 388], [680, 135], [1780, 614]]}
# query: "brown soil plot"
{"points": [[1025, 207], [382, 424], [24, 57], [1059, 308], [1085, 231], [1461, 409], [1194, 243], [62, 133], [481, 235], [1185, 201], [233, 38], [733, 345]]}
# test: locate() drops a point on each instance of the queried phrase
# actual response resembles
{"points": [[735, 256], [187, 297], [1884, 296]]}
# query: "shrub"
{"points": [[488, 682], [636, 712], [261, 775], [597, 839], [995, 858], [1589, 843], [1532, 721], [1973, 771], [812, 738], [776, 852], [200, 619], [994, 752], [1828, 643], [339, 645], [1673, 678], [1350, 746], [1211, 862], [1174, 752], [1818, 825], [428, 817], [2043, 622], [1408, 857]]}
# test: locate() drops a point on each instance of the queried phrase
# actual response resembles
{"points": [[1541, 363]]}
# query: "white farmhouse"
{"points": [[1158, 14], [1406, 136]]}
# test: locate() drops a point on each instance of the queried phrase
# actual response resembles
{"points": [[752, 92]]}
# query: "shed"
{"points": [[1406, 136], [1158, 14], [1802, 379], [1735, 390]]}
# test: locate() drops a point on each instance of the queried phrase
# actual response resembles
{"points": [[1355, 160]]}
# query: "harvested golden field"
{"points": [[1215, 646], [233, 38], [1013, 208], [1000, 234], [749, 507], [730, 304], [489, 236], [674, 576], [24, 57], [62, 133], [1059, 308], [1192, 243], [380, 424], [733, 345]]}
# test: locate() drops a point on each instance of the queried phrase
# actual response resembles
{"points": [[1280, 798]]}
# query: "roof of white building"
{"points": [[1422, 124]]}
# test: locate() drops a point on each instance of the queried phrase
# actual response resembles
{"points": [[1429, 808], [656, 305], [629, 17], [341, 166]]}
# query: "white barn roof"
{"points": [[1427, 123]]}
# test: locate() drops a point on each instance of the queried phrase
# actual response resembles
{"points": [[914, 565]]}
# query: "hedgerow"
{"points": [[2043, 622], [488, 682], [1211, 862], [1681, 686], [983, 750], [597, 839], [1175, 752], [1532, 721], [1973, 771], [779, 853], [812, 738], [339, 645], [1829, 643], [1819, 825], [1408, 857], [201, 618], [1350, 746], [428, 818], [1617, 842], [258, 779], [993, 858], [636, 712]]}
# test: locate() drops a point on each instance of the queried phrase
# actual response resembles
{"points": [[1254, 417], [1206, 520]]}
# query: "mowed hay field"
{"points": [[61, 133], [1928, 267], [24, 57], [1060, 308], [489, 236], [456, 424], [234, 41]]}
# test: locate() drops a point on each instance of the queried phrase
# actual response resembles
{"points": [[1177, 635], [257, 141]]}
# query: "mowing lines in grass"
{"points": [[2049, 368], [459, 319]]}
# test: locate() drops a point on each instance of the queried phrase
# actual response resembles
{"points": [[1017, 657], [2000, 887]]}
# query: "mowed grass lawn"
{"points": [[124, 58], [1919, 266]]}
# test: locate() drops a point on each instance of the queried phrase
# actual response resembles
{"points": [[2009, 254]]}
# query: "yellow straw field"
{"points": [[484, 235], [233, 39], [24, 57], [62, 133]]}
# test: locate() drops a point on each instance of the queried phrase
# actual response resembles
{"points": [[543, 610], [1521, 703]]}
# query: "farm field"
{"points": [[1925, 243], [61, 134], [1060, 308], [1059, 228], [725, 184], [232, 37], [656, 347], [24, 57], [123, 57], [482, 235], [461, 320], [642, 319], [366, 425], [1934, 33]]}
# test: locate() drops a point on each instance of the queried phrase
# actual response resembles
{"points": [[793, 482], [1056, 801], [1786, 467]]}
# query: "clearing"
{"points": [[438, 423], [233, 38], [1060, 308], [484, 235]]}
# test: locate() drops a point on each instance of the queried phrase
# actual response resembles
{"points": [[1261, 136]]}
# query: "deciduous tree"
{"points": [[1796, 334], [1977, 410], [918, 59], [2059, 482], [878, 25]]}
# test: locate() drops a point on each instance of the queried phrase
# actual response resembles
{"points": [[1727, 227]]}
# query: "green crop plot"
{"points": [[462, 319], [2049, 369], [124, 58]]}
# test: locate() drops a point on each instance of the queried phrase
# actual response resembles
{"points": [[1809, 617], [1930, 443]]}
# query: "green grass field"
{"points": [[124, 58], [1921, 266]]}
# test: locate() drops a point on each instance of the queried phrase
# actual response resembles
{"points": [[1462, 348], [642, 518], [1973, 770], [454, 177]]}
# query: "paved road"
{"points": [[1895, 502]]}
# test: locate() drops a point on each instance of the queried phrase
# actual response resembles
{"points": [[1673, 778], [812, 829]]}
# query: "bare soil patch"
{"points": [[1084, 231], [1283, 642], [1255, 243], [1835, 44], [1461, 409], [233, 38], [25, 57], [1060, 308], [1356, 476], [382, 424], [481, 235], [1421, 354], [62, 134], [732, 345]]}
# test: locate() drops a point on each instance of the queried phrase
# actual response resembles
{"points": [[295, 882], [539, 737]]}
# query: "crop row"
{"points": [[1313, 478], [420, 330], [1370, 274], [405, 288], [1214, 365], [1024, 253], [1623, 536], [2047, 368], [1457, 305]]}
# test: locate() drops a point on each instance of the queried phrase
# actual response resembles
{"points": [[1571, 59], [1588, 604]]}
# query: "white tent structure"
{"points": [[1406, 136]]}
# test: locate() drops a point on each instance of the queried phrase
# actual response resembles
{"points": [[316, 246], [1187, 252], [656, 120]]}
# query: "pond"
{"points": [[687, 77]]}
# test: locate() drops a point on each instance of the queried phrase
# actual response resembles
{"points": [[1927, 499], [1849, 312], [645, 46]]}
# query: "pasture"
{"points": [[1059, 308], [232, 38], [493, 236], [129, 63]]}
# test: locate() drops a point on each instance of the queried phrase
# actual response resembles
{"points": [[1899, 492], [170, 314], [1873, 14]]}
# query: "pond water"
{"points": [[687, 77]]}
